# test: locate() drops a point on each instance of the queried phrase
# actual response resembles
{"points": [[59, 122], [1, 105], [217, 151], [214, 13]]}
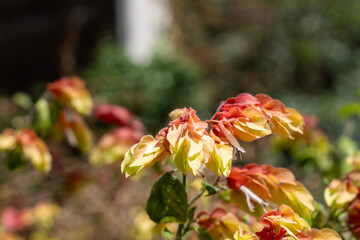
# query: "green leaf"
{"points": [[15, 159], [168, 200], [22, 100], [168, 234], [191, 213], [43, 113], [190, 218], [318, 217], [349, 110], [211, 189], [203, 234]]}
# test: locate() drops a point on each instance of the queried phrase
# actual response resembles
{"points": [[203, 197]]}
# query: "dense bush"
{"points": [[192, 161]]}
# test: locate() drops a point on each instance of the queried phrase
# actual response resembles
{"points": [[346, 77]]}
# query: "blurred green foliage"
{"points": [[304, 52], [152, 91]]}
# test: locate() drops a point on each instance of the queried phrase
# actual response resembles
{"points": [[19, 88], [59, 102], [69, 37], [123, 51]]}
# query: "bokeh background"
{"points": [[152, 56]]}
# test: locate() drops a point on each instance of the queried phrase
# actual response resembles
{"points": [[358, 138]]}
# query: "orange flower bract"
{"points": [[77, 132], [194, 144], [354, 216], [144, 154], [221, 224], [33, 148], [190, 145], [276, 185], [284, 218], [249, 118], [340, 193], [184, 135], [72, 91], [315, 234], [285, 121]]}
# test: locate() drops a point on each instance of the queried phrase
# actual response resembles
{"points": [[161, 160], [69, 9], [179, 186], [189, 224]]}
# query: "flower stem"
{"points": [[202, 192], [197, 197], [179, 233], [184, 181]]}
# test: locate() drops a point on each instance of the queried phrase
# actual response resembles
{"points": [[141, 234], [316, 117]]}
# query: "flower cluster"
{"points": [[282, 222], [221, 224], [59, 113], [344, 197], [248, 118], [193, 143], [71, 91], [187, 140], [254, 183], [339, 194], [72, 100], [279, 224], [25, 144]]}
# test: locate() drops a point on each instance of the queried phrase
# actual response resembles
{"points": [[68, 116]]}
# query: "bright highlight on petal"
{"points": [[190, 145], [144, 154], [194, 143], [241, 235]]}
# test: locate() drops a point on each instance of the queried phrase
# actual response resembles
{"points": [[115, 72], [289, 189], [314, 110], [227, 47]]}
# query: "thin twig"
{"points": [[181, 226], [197, 197], [202, 192]]}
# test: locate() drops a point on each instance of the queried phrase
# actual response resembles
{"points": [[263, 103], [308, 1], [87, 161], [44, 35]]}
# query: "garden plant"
{"points": [[254, 201]]}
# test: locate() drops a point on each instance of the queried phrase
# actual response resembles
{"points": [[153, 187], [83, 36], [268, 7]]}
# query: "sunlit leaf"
{"points": [[211, 189], [168, 200]]}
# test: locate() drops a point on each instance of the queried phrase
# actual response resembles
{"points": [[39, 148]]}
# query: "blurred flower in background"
{"points": [[71, 91]]}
